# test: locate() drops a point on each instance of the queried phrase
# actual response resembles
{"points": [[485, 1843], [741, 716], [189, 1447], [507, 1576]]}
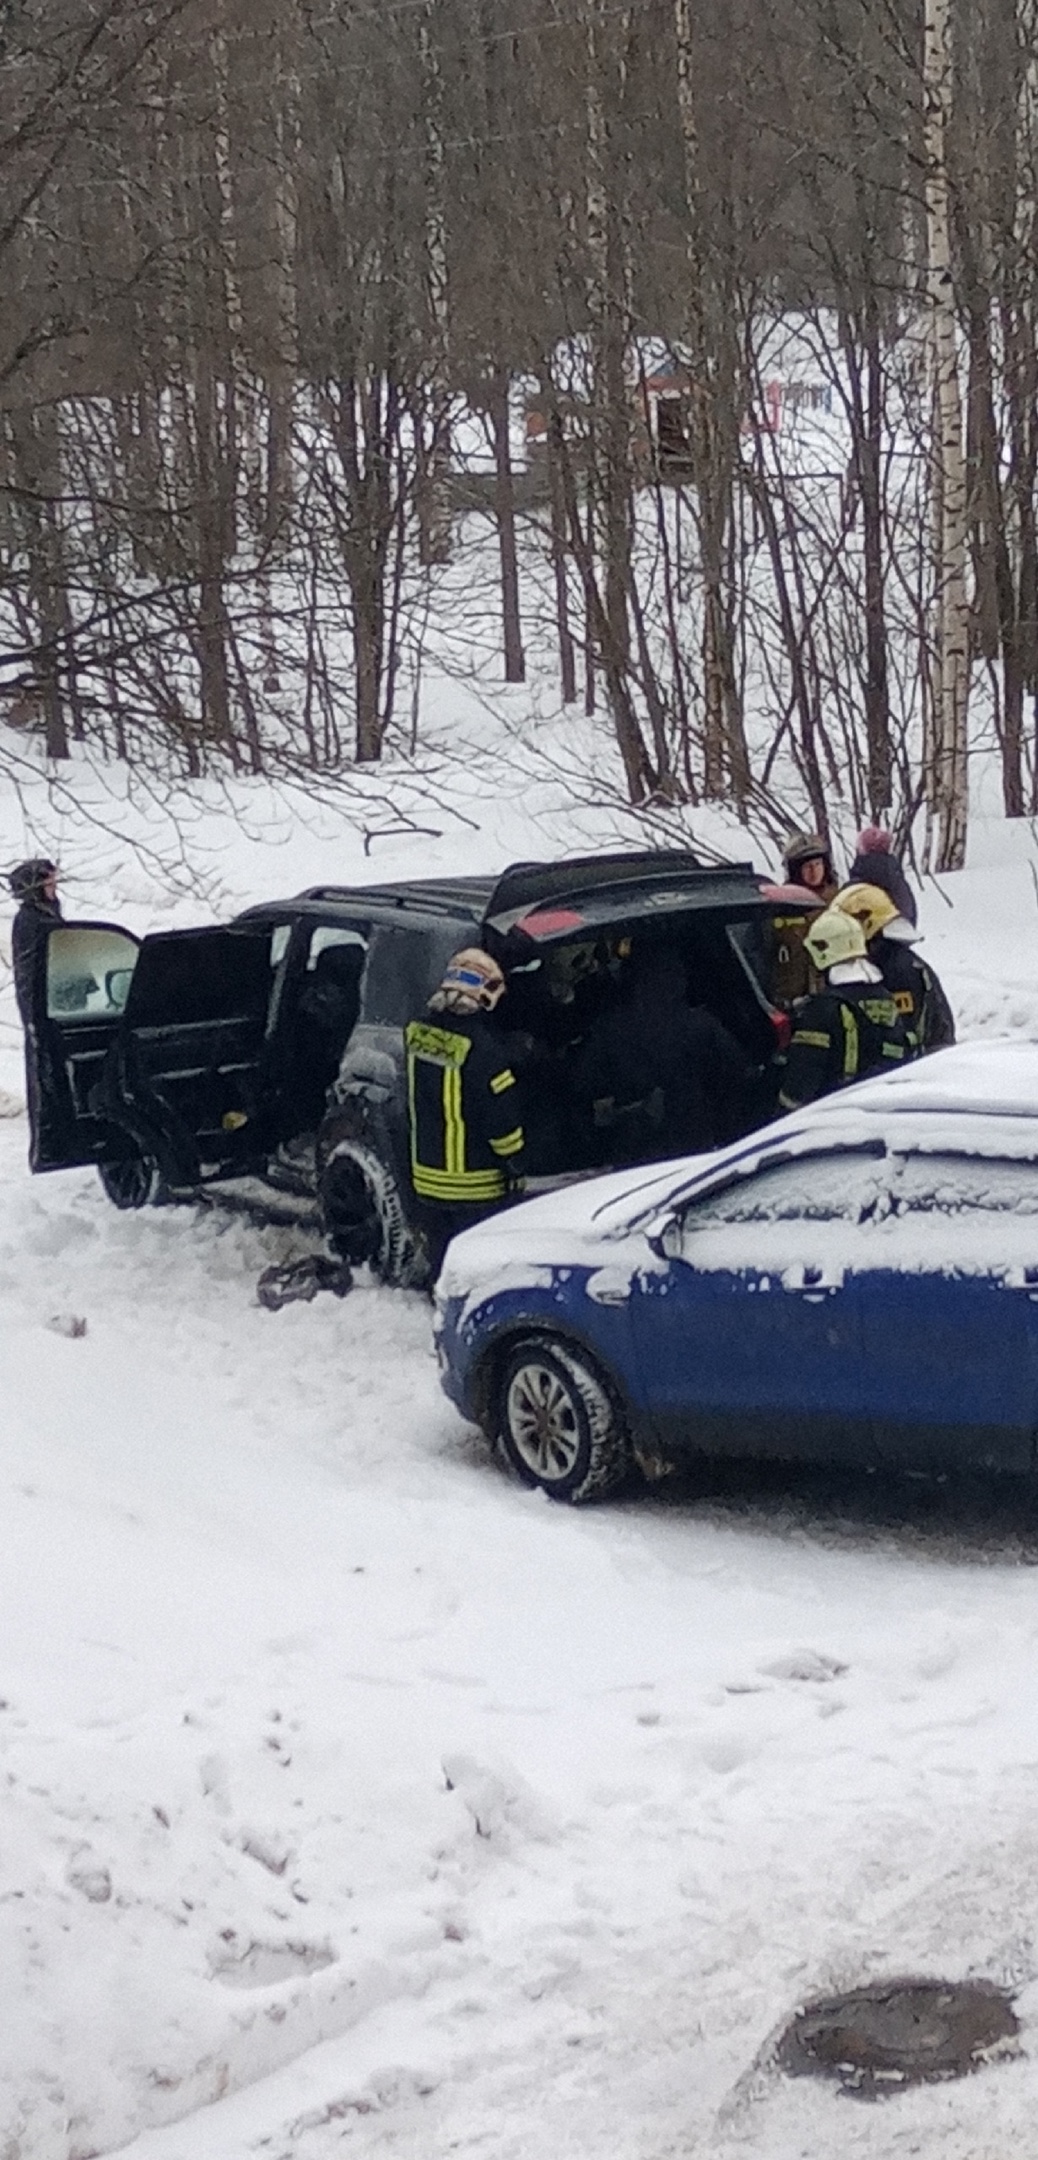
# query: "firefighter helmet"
{"points": [[834, 937], [802, 847], [869, 905], [472, 982]]}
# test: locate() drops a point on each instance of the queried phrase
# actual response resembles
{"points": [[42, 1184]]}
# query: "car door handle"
{"points": [[809, 1283]]}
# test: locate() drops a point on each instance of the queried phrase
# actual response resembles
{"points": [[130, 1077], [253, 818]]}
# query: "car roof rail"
{"points": [[432, 896], [526, 884]]}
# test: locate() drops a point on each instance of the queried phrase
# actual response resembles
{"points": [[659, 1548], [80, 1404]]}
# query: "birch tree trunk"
{"points": [[948, 777]]}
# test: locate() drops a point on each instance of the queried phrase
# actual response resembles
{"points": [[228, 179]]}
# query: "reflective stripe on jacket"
{"points": [[466, 1128], [917, 993], [842, 1036]]}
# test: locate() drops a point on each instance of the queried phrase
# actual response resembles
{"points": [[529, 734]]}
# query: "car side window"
{"points": [[847, 1186], [328, 936], [961, 1184], [89, 971]]}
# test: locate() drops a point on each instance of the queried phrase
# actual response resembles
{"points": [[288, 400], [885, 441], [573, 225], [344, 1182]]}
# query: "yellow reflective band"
{"points": [[851, 1047], [471, 1185], [813, 1037], [893, 1050], [453, 1125], [511, 1143], [501, 1081]]}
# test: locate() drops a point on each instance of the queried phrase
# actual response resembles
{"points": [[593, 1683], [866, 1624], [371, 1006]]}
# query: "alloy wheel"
{"points": [[543, 1422]]}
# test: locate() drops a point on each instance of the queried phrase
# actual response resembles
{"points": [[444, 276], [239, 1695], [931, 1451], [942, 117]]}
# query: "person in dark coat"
{"points": [[890, 939], [849, 1031], [808, 862], [35, 886], [466, 1129], [328, 1007], [876, 864], [659, 1076]]}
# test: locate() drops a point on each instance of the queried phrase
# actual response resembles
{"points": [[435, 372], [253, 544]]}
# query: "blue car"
{"points": [[857, 1283]]}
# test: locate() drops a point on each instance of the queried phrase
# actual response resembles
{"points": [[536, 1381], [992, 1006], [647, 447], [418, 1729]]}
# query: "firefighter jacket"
{"points": [[467, 1137], [841, 1036], [917, 994]]}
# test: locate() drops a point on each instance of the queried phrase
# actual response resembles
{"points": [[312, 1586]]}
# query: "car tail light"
{"points": [[783, 1027]]}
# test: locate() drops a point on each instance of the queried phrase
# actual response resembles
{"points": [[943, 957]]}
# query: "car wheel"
{"points": [[133, 1181], [363, 1214], [558, 1425]]}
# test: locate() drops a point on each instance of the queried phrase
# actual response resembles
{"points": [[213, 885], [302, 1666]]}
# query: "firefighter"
{"points": [[849, 1031], [916, 990], [808, 862], [466, 1129]]}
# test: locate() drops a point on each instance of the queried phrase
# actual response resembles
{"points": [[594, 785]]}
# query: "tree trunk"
{"points": [[713, 425], [504, 502], [949, 779], [567, 652], [434, 518]]}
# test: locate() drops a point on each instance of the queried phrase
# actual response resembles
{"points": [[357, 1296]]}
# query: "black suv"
{"points": [[199, 1059]]}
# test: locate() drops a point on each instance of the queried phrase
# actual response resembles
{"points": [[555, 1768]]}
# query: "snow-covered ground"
{"points": [[358, 1801]]}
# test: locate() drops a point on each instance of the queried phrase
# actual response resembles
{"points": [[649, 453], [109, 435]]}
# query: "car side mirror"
{"points": [[117, 987], [669, 1240]]}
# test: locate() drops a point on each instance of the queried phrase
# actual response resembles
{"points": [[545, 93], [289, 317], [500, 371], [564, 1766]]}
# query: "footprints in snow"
{"points": [[268, 1964], [253, 1962]]}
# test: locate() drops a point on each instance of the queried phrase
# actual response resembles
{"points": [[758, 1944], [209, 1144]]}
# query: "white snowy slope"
{"points": [[357, 1801], [347, 1781]]}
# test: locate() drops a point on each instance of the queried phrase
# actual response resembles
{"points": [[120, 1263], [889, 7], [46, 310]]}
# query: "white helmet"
{"points": [[472, 982]]}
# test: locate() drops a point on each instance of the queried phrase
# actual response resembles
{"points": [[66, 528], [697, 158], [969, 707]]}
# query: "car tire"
{"points": [[133, 1181], [558, 1425], [364, 1217]]}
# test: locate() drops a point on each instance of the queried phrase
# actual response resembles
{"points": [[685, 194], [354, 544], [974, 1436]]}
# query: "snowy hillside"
{"points": [[359, 1801]]}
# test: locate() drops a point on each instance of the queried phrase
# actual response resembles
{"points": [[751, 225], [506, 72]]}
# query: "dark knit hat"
{"points": [[31, 877]]}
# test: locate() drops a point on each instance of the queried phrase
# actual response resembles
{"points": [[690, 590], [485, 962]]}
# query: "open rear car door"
{"points": [[83, 977], [158, 1049]]}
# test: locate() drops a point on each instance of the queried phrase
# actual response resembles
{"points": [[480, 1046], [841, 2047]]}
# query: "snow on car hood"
{"points": [[524, 1247]]}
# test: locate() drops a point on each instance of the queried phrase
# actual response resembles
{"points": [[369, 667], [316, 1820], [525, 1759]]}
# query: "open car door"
{"points": [[154, 1048], [190, 1075], [83, 977]]}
